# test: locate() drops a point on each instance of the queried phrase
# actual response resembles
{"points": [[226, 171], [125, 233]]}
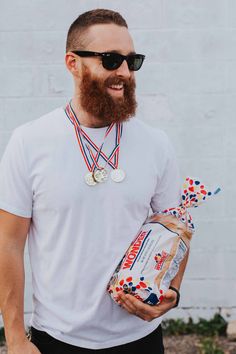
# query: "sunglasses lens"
{"points": [[135, 62], [112, 61]]}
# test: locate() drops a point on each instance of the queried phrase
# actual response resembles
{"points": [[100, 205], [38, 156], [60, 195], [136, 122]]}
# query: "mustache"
{"points": [[118, 81]]}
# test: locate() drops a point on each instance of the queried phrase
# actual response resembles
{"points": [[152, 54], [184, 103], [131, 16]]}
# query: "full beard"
{"points": [[95, 99]]}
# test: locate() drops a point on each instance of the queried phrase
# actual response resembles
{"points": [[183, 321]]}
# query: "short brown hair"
{"points": [[76, 31]]}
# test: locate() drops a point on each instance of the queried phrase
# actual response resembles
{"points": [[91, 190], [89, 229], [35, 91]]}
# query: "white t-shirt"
{"points": [[79, 233]]}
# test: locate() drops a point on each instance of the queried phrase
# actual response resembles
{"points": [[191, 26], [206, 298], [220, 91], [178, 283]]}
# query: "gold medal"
{"points": [[100, 175]]}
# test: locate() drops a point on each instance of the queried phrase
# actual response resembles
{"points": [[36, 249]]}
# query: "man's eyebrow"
{"points": [[117, 51]]}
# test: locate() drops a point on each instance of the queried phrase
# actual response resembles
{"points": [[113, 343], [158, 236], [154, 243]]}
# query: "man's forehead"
{"points": [[109, 37]]}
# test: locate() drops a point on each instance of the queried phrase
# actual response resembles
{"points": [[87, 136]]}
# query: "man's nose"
{"points": [[123, 70]]}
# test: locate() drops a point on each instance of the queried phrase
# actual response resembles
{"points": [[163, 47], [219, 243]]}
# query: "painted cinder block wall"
{"points": [[187, 87]]}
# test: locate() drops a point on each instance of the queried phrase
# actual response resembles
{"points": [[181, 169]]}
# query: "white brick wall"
{"points": [[187, 87]]}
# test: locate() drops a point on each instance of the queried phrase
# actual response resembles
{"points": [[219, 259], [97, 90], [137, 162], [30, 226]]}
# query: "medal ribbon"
{"points": [[118, 137], [79, 139], [95, 159], [80, 134], [115, 153]]}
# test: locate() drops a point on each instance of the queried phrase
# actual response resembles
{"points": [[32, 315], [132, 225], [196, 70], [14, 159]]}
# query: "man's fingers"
{"points": [[134, 306], [125, 302], [144, 311], [128, 308]]}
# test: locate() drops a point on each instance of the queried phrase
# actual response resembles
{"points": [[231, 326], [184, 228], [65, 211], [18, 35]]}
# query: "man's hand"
{"points": [[23, 347], [144, 311]]}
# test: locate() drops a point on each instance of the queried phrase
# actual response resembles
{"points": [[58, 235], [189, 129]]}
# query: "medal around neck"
{"points": [[89, 179], [100, 175], [117, 175], [97, 174]]}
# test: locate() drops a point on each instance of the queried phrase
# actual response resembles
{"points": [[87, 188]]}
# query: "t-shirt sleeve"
{"points": [[15, 188], [168, 188]]}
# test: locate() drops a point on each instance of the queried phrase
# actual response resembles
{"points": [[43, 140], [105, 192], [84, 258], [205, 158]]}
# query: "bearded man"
{"points": [[80, 181]]}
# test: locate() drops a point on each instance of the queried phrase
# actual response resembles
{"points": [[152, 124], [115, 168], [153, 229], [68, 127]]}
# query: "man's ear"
{"points": [[73, 64]]}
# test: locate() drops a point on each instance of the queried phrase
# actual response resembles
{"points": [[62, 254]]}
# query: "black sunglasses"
{"points": [[112, 61]]}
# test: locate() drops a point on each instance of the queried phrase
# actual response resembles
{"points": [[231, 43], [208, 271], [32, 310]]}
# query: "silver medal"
{"points": [[89, 179], [100, 175], [117, 175]]}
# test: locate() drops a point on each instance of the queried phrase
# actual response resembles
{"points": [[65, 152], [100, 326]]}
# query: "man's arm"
{"points": [[13, 234]]}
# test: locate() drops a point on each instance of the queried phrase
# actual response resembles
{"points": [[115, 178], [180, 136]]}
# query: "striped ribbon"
{"points": [[82, 136]]}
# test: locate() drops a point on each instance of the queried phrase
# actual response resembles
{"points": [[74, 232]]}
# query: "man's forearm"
{"points": [[12, 293], [177, 280]]}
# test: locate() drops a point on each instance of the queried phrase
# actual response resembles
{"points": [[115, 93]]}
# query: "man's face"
{"points": [[98, 95]]}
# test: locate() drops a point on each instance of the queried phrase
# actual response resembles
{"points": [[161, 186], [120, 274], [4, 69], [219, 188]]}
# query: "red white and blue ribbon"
{"points": [[119, 130], [82, 136], [113, 155]]}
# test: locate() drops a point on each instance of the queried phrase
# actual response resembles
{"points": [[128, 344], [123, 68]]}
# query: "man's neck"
{"points": [[86, 119]]}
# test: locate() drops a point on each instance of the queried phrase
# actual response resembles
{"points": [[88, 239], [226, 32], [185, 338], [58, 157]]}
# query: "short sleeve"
{"points": [[15, 189], [168, 188]]}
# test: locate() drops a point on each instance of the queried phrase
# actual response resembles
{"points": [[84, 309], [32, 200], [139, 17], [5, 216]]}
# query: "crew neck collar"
{"points": [[94, 128]]}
